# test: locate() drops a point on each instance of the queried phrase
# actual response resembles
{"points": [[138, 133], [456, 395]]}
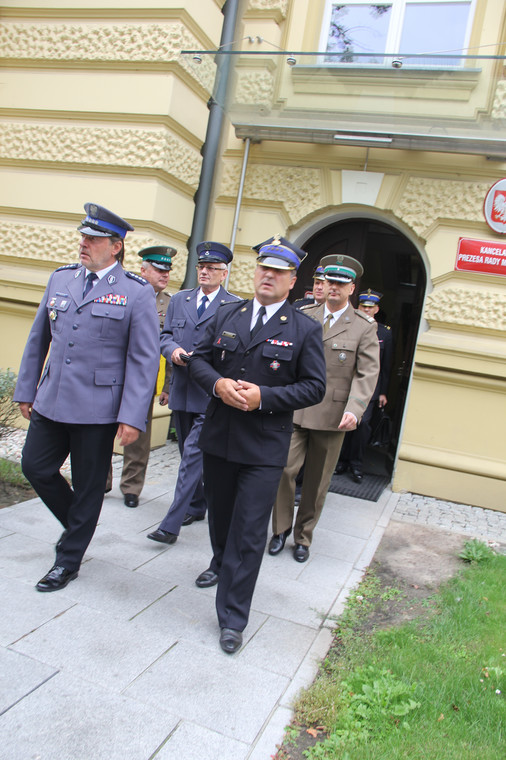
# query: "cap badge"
{"points": [[276, 240], [93, 209]]}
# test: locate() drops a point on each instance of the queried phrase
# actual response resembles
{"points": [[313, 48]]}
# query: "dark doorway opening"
{"points": [[393, 266]]}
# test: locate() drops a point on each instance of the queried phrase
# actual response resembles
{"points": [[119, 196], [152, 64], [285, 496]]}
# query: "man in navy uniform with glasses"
{"points": [[258, 360], [187, 316], [100, 326]]}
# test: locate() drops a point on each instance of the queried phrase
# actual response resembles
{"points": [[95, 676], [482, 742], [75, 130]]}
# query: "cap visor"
{"points": [[274, 263], [338, 278], [93, 233]]}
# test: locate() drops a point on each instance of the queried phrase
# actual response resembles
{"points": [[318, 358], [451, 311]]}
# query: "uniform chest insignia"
{"points": [[275, 342], [53, 314], [227, 334], [275, 365], [342, 356], [63, 304], [283, 319], [113, 299], [243, 309], [52, 302], [77, 274], [111, 279]]}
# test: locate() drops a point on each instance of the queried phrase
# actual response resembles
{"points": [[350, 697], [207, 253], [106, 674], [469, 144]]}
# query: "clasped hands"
{"points": [[238, 393]]}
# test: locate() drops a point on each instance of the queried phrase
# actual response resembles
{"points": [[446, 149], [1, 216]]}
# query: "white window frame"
{"points": [[393, 40]]}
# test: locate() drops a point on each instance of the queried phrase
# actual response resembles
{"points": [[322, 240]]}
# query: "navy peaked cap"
{"points": [[211, 251], [279, 253], [100, 222]]}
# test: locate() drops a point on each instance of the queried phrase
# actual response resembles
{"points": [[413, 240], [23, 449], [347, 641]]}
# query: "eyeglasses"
{"points": [[201, 267]]}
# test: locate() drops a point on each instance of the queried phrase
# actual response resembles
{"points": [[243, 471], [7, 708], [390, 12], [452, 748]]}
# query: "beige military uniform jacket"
{"points": [[352, 355], [162, 303]]}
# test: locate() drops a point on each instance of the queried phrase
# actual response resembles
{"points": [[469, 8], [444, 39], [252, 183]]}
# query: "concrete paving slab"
{"points": [[339, 546], [354, 517], [70, 718], [308, 669], [236, 697], [279, 646], [97, 646], [25, 559], [192, 742], [24, 609], [19, 676], [272, 734], [125, 550], [107, 588], [32, 519]]}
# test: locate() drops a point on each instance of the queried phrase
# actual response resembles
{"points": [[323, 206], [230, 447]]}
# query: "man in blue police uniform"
{"points": [[155, 268], [101, 327], [355, 442], [259, 360], [317, 295], [187, 316]]}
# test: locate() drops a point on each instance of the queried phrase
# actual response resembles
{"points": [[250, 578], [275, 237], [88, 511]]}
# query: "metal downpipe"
{"points": [[212, 142]]}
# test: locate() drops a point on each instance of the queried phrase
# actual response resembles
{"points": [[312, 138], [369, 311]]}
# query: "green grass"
{"points": [[432, 689], [10, 472]]}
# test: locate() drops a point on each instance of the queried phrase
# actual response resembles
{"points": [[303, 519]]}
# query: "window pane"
{"points": [[359, 28], [434, 27]]}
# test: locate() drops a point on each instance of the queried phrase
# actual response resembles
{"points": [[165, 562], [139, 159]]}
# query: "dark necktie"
{"points": [[90, 279], [202, 306], [259, 323]]}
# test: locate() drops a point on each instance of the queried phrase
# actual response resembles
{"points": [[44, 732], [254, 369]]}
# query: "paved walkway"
{"points": [[124, 664]]}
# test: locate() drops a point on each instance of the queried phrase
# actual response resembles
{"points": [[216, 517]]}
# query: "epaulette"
{"points": [[238, 301], [306, 312], [364, 316], [136, 277], [308, 306], [68, 266]]}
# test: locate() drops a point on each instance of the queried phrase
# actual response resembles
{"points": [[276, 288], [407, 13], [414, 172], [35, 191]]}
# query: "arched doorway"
{"points": [[393, 266]]}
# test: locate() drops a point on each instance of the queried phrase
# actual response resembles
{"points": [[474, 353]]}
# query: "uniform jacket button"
{"points": [[71, 343], [79, 311], [74, 327], [67, 361]]}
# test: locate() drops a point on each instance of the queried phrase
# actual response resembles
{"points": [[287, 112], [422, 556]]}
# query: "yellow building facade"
{"points": [[370, 147]]}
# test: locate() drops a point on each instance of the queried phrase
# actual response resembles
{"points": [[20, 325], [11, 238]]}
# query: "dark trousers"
{"points": [[355, 442], [189, 491], [47, 445], [239, 499]]}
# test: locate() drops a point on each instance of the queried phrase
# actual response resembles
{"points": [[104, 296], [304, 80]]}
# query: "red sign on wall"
{"points": [[485, 256]]}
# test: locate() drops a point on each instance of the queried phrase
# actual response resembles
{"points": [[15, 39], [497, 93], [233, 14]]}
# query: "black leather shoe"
{"points": [[300, 553], [207, 579], [277, 542], [163, 536], [356, 474], [131, 500], [61, 539], [341, 467], [230, 640], [56, 578], [189, 519]]}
